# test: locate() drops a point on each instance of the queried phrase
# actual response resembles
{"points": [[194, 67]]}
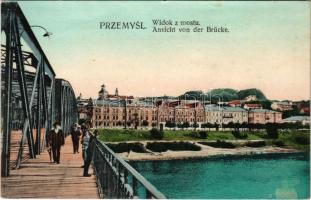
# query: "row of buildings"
{"points": [[119, 111], [303, 107]]}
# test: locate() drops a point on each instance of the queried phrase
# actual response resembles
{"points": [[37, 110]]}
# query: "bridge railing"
{"points": [[117, 179]]}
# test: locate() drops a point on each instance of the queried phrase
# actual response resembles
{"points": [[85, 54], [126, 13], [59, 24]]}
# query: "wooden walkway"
{"points": [[40, 178]]}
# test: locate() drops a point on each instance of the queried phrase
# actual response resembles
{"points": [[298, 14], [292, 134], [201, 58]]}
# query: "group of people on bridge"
{"points": [[79, 134]]}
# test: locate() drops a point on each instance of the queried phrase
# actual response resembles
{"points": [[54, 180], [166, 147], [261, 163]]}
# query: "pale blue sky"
{"points": [[267, 47]]}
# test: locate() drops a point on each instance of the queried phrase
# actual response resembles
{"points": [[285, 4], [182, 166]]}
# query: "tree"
{"points": [[258, 126], [298, 125], [272, 130], [244, 125], [180, 125], [136, 123], [195, 125], [266, 104], [226, 94], [156, 134], [252, 91], [195, 94], [237, 126], [203, 134], [306, 126], [169, 124], [230, 125], [207, 125], [216, 126], [240, 135], [128, 123], [289, 113], [287, 125], [204, 126], [186, 125], [145, 123]]}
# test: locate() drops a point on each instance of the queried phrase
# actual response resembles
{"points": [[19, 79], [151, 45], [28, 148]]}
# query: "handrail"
{"points": [[117, 179], [136, 174]]}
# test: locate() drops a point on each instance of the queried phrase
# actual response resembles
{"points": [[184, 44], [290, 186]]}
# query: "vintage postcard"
{"points": [[155, 99]]}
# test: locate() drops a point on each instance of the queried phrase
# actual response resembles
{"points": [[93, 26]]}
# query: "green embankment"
{"points": [[297, 139]]}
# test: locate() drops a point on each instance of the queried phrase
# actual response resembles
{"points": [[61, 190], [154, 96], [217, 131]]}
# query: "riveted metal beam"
{"points": [[23, 88], [5, 164]]}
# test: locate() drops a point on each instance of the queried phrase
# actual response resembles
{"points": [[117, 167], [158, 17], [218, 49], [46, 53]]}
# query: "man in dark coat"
{"points": [[89, 153], [75, 136], [56, 139], [83, 129]]}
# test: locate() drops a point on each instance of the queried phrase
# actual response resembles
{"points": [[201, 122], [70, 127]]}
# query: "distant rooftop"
{"points": [[296, 118], [263, 111], [213, 107]]}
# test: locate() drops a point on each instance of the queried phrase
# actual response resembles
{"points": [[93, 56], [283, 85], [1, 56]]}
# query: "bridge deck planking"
{"points": [[16, 136], [39, 178]]}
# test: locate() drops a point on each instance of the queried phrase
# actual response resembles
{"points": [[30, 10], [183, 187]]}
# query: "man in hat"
{"points": [[75, 136], [56, 140]]}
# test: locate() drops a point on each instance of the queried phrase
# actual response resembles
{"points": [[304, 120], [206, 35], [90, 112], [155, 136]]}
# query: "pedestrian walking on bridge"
{"points": [[75, 136], [56, 139], [89, 151], [85, 143]]}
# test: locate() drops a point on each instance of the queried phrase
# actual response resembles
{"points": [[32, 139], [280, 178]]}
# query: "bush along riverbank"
{"points": [[172, 150]]}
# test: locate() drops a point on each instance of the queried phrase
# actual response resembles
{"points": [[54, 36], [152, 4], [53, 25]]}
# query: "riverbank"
{"points": [[287, 139], [206, 151]]}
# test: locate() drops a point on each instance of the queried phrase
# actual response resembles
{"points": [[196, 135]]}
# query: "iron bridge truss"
{"points": [[32, 99]]}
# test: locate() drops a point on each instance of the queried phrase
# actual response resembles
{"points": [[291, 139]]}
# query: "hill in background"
{"points": [[225, 94]]}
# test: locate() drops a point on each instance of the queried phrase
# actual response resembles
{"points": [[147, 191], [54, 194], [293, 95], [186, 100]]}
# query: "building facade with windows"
{"points": [[85, 109], [282, 106], [264, 116], [113, 111], [225, 115], [181, 111]]}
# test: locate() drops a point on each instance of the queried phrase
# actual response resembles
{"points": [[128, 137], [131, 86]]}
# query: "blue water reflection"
{"points": [[270, 176]]}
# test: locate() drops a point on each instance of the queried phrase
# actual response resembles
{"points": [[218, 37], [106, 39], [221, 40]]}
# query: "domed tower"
{"points": [[103, 93]]}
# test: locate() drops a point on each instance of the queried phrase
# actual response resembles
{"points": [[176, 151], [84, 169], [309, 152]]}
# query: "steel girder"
{"points": [[42, 98], [33, 90], [65, 104], [6, 132]]}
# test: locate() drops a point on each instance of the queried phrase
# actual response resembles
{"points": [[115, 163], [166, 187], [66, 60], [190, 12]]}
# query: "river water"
{"points": [[252, 177]]}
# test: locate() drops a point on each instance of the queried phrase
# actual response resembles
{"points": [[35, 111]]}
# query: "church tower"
{"points": [[103, 93], [116, 92]]}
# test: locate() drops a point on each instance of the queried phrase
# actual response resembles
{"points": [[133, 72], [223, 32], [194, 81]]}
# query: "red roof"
{"points": [[191, 105], [253, 105], [305, 109], [234, 102], [174, 103]]}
